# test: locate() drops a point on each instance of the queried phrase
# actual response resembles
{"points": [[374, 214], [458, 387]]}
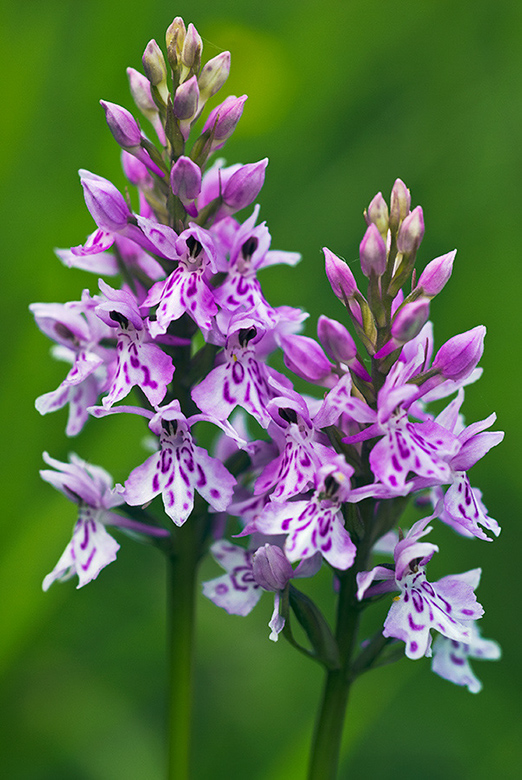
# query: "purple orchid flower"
{"points": [[451, 657], [238, 591], [179, 468], [187, 288], [241, 379], [248, 573], [462, 507], [303, 449], [139, 361], [249, 252], [424, 448], [446, 606], [78, 332], [314, 525], [91, 547]]}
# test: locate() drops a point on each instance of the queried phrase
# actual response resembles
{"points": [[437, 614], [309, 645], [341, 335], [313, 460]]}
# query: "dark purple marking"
{"points": [[183, 476], [226, 394], [243, 574], [414, 626], [221, 588], [86, 565], [456, 660], [238, 372], [85, 540], [395, 463], [202, 480]]}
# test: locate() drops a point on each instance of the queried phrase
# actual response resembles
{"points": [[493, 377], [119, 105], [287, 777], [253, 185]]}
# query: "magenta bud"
{"points": [[434, 277], [135, 171], [186, 99], [185, 179], [213, 76], [457, 358], [306, 358], [411, 232], [339, 275], [123, 126], [372, 252], [409, 320], [400, 203], [224, 118], [336, 340], [378, 214], [106, 205], [271, 568], [244, 185]]}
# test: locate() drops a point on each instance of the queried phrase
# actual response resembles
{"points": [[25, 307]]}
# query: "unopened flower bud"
{"points": [[127, 133], [106, 205], [305, 358], [457, 358], [411, 232], [185, 179], [372, 252], [186, 99], [175, 37], [336, 340], [244, 185], [155, 68], [378, 214], [135, 171], [271, 568], [140, 91], [213, 76], [409, 320], [400, 202], [223, 119], [339, 275], [123, 126], [192, 48], [434, 277]]}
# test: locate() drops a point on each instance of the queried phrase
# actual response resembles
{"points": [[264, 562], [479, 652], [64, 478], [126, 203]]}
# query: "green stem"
{"points": [[329, 727], [328, 734], [330, 721], [181, 604]]}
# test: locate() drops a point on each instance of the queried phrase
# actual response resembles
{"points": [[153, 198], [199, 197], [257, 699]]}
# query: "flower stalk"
{"points": [[182, 584]]}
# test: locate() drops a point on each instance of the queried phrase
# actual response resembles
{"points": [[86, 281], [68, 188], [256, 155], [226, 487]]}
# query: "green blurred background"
{"points": [[343, 98]]}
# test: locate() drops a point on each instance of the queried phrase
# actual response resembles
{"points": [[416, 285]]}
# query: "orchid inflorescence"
{"points": [[188, 333]]}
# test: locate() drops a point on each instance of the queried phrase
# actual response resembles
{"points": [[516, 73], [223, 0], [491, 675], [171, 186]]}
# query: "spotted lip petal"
{"points": [[447, 606], [422, 448], [311, 526], [237, 591], [179, 469]]}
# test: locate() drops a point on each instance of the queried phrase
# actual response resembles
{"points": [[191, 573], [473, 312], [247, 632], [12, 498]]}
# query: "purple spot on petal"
{"points": [[221, 588], [456, 660]]}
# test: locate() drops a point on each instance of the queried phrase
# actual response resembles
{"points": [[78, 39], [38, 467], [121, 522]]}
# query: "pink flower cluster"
{"points": [[188, 334]]}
